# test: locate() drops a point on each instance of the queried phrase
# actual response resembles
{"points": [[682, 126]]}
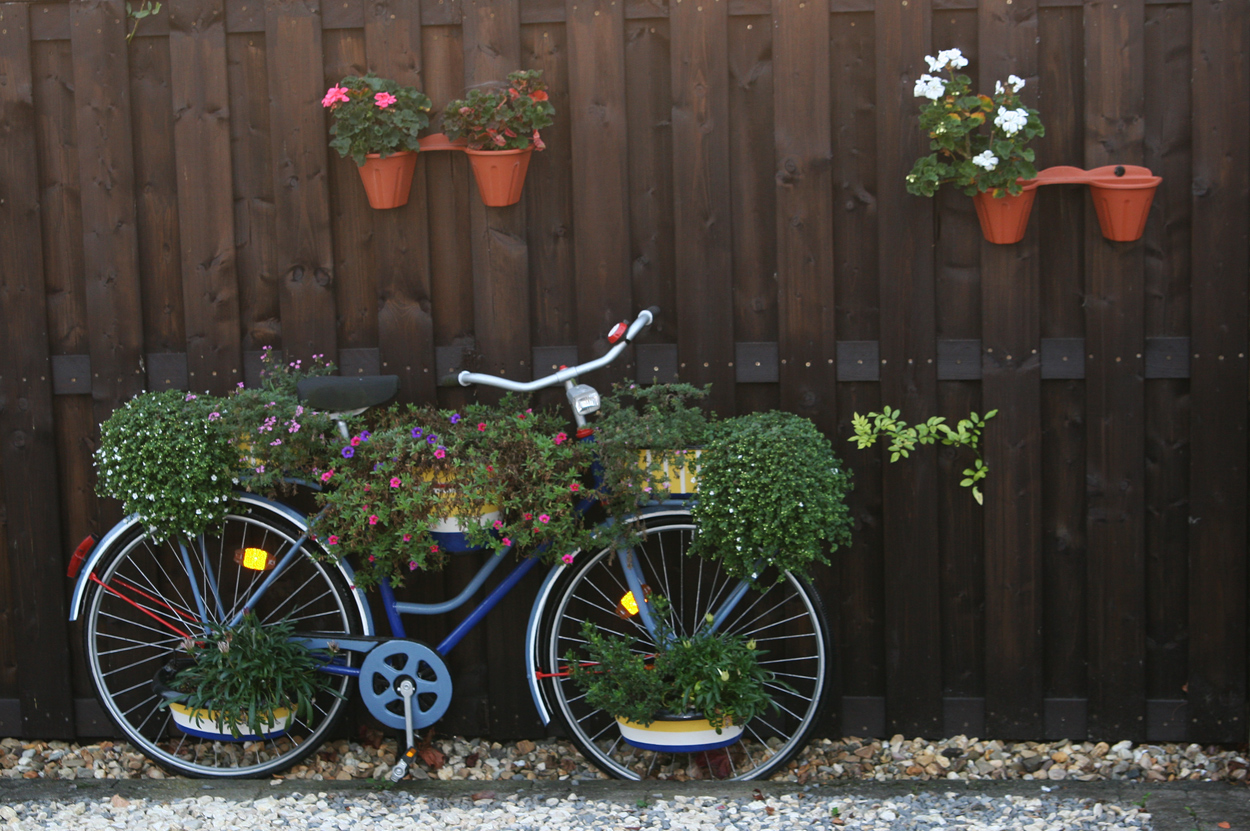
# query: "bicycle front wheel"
{"points": [[785, 618], [149, 596]]}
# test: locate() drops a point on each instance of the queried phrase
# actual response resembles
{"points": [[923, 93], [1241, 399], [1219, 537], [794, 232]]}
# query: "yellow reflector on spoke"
{"points": [[628, 607], [256, 559]]}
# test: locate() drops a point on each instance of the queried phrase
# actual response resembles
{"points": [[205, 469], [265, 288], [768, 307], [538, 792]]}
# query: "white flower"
{"points": [[935, 64], [986, 160], [1017, 83], [954, 57], [998, 87], [929, 87], [1011, 121]]}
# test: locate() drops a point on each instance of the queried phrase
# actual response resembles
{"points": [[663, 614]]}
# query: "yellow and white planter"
{"points": [[679, 734], [206, 724], [451, 531], [679, 469]]}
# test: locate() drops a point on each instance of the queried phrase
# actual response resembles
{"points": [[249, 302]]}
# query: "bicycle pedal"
{"points": [[401, 767]]}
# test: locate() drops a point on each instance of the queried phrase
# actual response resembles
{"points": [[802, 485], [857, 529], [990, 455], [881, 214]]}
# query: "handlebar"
{"points": [[644, 319]]}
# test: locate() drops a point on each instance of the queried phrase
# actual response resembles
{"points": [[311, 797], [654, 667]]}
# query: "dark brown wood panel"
{"points": [[702, 217], [1217, 530], [27, 442], [201, 106], [1114, 372], [908, 378], [804, 210], [304, 256], [600, 143], [405, 328], [1011, 383]]}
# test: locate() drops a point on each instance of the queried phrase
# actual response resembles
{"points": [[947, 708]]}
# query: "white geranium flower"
{"points": [[929, 87], [955, 58], [935, 64], [998, 87], [986, 160], [1017, 83], [1011, 121]]}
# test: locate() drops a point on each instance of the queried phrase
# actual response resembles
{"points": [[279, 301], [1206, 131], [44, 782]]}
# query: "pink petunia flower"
{"points": [[439, 453], [561, 438], [507, 541], [568, 559], [325, 477], [412, 566], [481, 427], [335, 95], [394, 481], [575, 487], [498, 524], [373, 519], [384, 100], [355, 442], [333, 539], [544, 519], [407, 537]]}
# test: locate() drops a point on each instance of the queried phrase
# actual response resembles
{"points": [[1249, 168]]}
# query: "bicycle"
{"points": [[139, 599]]}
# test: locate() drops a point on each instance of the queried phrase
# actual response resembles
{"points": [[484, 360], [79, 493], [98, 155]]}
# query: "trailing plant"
{"points": [[146, 8], [502, 116], [716, 674], [771, 493], [980, 142], [904, 438], [375, 115], [391, 486], [663, 418], [167, 457], [244, 673]]}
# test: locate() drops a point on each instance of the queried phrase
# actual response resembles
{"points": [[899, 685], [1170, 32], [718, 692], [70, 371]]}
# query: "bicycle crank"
{"points": [[383, 673]]}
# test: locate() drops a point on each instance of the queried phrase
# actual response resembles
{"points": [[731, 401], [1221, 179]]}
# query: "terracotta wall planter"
{"points": [[388, 181], [1004, 218], [1122, 195], [500, 174]]}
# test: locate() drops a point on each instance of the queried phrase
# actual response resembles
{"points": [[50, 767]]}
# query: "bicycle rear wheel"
{"points": [[145, 601], [787, 619]]}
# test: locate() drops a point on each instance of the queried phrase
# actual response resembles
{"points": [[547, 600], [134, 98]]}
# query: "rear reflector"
{"points": [[80, 556]]}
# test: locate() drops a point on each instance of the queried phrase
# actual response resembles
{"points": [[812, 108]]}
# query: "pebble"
{"points": [[824, 760]]}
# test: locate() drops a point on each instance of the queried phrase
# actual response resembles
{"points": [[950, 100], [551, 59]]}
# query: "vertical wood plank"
{"points": [[1217, 530], [1011, 383], [803, 140], [1060, 227], [650, 142], [27, 442], [908, 376], [255, 215], [701, 198], [198, 74], [304, 255], [860, 611], [402, 253], [501, 302], [1114, 344], [597, 109], [106, 168]]}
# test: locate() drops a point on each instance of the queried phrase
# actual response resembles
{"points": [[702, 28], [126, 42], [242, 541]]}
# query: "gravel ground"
{"points": [[824, 761]]}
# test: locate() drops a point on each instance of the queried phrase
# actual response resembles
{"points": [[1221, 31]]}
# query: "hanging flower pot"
{"points": [[678, 471], [500, 174], [1004, 218], [670, 733], [388, 181], [1123, 205], [207, 723]]}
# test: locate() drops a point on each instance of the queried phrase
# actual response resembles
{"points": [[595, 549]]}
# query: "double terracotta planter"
{"points": [[1122, 197], [500, 174]]}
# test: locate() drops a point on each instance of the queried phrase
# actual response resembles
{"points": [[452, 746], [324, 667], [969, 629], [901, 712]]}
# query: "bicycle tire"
{"points": [[126, 645], [786, 618]]}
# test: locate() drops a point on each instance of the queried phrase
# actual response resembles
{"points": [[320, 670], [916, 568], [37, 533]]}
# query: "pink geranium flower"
{"points": [[384, 100], [335, 95]]}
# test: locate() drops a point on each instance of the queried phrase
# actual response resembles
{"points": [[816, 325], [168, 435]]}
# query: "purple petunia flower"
{"points": [[432, 439], [416, 432], [364, 435], [455, 417], [348, 452]]}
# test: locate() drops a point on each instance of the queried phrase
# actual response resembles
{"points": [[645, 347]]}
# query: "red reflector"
{"points": [[80, 555], [618, 332], [585, 432]]}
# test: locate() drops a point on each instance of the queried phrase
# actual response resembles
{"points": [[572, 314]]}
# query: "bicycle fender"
{"points": [[533, 644], [130, 522]]}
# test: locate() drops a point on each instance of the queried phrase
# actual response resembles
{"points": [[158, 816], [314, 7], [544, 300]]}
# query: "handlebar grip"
{"points": [[655, 311]]}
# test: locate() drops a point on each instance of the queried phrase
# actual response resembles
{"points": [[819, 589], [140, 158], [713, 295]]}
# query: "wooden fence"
{"points": [[168, 206]]}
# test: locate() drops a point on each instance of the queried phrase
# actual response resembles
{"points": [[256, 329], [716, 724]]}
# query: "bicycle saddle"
{"points": [[339, 395]]}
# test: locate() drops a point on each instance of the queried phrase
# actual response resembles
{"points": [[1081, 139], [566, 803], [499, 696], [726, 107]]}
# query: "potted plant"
{"points": [[501, 124], [648, 440], [979, 143], [376, 122], [692, 693], [425, 482], [242, 683], [771, 493]]}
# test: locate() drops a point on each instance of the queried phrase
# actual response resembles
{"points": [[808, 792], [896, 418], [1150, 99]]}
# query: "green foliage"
{"points": [[718, 675], [147, 8], [375, 115], [391, 486], [503, 117], [980, 142], [771, 492], [245, 673], [166, 456], [663, 418], [904, 438]]}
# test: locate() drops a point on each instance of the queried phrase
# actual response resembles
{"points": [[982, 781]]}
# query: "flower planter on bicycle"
{"points": [[141, 594]]}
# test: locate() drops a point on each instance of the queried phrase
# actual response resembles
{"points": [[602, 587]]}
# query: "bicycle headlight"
{"points": [[584, 399]]}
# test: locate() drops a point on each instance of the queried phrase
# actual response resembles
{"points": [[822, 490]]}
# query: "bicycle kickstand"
{"points": [[406, 689]]}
